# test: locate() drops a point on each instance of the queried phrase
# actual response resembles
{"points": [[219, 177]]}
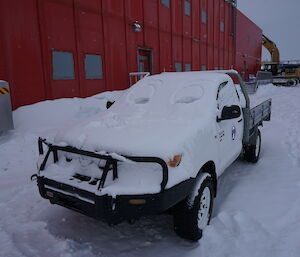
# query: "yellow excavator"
{"points": [[285, 73], [275, 56]]}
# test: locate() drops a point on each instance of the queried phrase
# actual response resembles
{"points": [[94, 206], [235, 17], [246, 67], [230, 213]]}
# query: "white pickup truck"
{"points": [[159, 148]]}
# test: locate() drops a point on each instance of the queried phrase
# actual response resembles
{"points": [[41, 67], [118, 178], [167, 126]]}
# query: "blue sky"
{"points": [[279, 20]]}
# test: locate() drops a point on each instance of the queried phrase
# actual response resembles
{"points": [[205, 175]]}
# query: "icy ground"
{"points": [[256, 213]]}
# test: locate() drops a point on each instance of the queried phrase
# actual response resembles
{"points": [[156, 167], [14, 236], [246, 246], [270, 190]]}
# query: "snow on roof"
{"points": [[155, 117]]}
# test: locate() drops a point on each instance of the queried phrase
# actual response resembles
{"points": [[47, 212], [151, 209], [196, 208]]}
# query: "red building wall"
{"points": [[248, 46], [21, 51], [30, 31]]}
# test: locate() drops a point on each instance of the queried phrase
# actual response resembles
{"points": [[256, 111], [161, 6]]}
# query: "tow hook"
{"points": [[33, 177]]}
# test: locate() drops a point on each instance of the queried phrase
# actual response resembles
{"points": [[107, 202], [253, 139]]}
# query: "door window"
{"points": [[141, 67], [226, 95]]}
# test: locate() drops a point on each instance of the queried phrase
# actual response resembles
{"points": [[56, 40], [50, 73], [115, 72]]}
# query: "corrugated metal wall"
{"points": [[82, 33], [248, 46]]}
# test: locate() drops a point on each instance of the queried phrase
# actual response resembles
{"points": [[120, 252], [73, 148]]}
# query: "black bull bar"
{"points": [[111, 163]]}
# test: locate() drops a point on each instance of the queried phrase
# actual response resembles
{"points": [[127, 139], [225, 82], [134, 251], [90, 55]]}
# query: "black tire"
{"points": [[251, 153], [186, 212], [290, 83], [295, 82]]}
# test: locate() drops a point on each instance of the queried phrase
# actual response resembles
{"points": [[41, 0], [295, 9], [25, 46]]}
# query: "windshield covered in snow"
{"points": [[152, 90], [167, 96]]}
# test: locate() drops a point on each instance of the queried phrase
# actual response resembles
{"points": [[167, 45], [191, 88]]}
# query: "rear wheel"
{"points": [[291, 83], [295, 82], [252, 152], [193, 214]]}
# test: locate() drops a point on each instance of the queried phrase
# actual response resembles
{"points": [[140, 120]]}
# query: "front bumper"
{"points": [[108, 209]]}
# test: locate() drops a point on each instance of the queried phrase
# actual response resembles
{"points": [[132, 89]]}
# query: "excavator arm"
{"points": [[275, 55], [272, 48]]}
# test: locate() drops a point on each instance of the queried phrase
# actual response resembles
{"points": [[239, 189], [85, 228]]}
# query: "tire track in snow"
{"points": [[293, 145], [289, 115]]}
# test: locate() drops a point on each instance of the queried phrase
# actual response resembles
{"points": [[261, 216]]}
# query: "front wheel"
{"points": [[193, 214], [252, 152]]}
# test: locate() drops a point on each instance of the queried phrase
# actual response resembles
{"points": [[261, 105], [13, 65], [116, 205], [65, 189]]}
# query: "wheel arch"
{"points": [[210, 168]]}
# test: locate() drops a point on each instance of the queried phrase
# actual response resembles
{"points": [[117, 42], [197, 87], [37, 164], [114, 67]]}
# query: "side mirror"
{"points": [[109, 104], [230, 112]]}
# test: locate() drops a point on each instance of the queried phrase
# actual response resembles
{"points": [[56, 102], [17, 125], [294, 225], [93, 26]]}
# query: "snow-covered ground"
{"points": [[256, 213]]}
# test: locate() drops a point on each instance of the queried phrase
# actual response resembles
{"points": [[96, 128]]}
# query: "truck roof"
{"points": [[216, 77]]}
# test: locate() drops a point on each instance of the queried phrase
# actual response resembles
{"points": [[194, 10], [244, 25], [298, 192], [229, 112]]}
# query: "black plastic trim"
{"points": [[113, 210]]}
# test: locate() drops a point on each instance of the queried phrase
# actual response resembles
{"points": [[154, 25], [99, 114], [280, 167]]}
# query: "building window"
{"points": [[93, 66], [203, 16], [232, 20], [203, 67], [165, 3], [222, 26], [62, 65], [178, 66], [187, 67], [187, 7]]}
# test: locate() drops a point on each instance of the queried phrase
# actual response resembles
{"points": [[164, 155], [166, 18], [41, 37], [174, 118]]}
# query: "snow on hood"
{"points": [[158, 116]]}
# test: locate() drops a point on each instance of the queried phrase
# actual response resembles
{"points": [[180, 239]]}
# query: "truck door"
{"points": [[229, 132]]}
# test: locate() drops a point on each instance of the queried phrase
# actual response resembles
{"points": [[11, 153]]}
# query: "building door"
{"points": [[144, 60]]}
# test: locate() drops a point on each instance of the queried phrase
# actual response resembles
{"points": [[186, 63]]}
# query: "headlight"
{"points": [[175, 161]]}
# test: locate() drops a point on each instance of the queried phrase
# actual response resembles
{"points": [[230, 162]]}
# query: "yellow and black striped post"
{"points": [[4, 91], [6, 118]]}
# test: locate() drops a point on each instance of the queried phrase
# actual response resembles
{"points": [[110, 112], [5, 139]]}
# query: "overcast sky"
{"points": [[280, 21]]}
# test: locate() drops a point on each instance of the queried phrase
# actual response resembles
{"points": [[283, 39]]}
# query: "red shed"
{"points": [[65, 48]]}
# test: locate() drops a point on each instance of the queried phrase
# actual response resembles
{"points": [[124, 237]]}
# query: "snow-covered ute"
{"points": [[144, 153], [162, 115]]}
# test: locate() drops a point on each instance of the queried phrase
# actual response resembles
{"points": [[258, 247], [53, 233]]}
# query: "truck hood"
{"points": [[134, 136]]}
